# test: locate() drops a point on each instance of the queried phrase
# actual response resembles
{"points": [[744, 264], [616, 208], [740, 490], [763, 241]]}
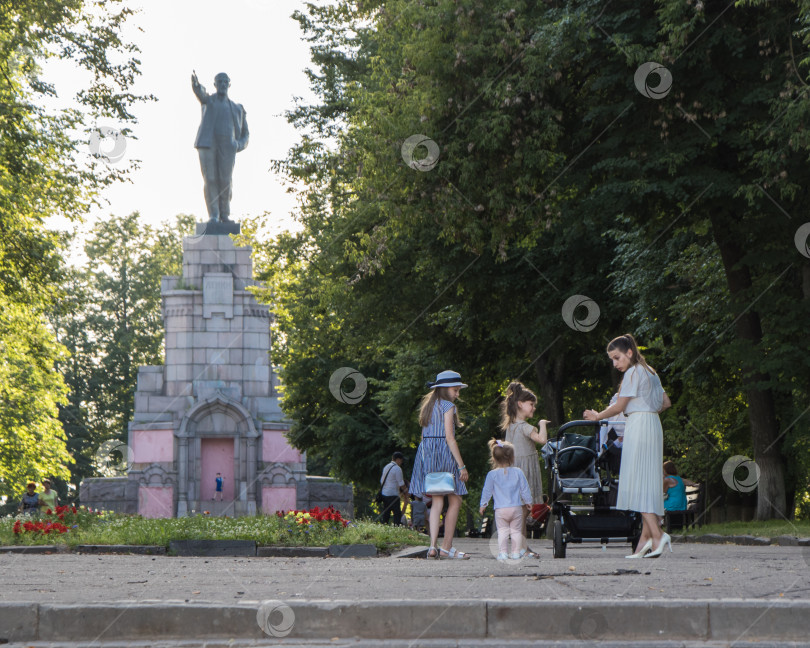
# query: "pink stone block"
{"points": [[156, 501], [278, 499], [152, 446], [275, 447]]}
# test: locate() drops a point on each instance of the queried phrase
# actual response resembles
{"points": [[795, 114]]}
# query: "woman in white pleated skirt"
{"points": [[641, 398]]}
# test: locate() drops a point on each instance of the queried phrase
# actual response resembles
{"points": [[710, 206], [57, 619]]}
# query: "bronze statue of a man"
{"points": [[222, 134]]}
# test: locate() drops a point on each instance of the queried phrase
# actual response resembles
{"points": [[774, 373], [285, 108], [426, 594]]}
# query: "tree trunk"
{"points": [[761, 409], [550, 369]]}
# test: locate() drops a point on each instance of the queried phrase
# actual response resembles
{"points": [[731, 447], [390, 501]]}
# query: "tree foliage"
{"points": [[32, 443], [112, 325], [47, 169], [556, 176]]}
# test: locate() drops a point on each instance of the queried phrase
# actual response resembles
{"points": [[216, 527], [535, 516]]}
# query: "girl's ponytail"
{"points": [[501, 453], [515, 393]]}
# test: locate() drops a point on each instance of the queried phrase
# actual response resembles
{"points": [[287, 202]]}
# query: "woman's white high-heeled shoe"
{"points": [[640, 553], [666, 541]]}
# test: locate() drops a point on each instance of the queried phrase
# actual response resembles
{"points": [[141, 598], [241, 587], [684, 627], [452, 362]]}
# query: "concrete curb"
{"points": [[34, 549], [411, 552], [746, 540], [292, 552], [471, 620], [353, 551], [213, 548], [148, 550], [365, 550]]}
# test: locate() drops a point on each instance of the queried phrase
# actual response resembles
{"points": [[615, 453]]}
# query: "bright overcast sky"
{"points": [[260, 47]]}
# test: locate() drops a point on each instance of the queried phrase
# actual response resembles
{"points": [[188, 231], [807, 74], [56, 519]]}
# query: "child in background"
{"points": [[508, 487], [218, 495]]}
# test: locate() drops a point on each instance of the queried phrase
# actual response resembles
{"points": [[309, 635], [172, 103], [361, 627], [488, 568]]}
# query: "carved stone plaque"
{"points": [[218, 294]]}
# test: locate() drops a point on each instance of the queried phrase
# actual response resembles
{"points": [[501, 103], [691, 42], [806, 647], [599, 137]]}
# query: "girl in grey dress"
{"points": [[516, 408]]}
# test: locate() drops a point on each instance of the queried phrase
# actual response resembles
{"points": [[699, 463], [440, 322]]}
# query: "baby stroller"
{"points": [[580, 490]]}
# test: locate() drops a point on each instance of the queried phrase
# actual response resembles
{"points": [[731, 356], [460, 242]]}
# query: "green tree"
{"points": [[32, 443], [43, 172], [112, 325], [401, 274], [690, 168], [556, 176]]}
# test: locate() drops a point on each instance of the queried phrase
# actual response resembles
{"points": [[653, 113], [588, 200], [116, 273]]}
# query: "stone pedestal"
{"points": [[212, 408], [217, 228]]}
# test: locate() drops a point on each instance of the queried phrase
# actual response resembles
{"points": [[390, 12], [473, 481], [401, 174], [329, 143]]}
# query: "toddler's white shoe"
{"points": [[516, 556], [502, 556]]}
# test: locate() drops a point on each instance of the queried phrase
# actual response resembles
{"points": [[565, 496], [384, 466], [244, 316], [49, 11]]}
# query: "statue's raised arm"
{"points": [[197, 87], [223, 132]]}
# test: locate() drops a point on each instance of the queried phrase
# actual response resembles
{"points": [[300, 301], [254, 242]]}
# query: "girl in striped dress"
{"points": [[438, 452]]}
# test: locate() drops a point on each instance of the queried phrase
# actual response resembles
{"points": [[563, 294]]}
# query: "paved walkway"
{"points": [[701, 593], [696, 571]]}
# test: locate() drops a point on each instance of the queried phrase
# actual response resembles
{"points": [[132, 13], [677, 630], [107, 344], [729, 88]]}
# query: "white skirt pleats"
{"points": [[641, 477]]}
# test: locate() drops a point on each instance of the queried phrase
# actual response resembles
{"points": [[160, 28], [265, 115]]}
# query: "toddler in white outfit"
{"points": [[507, 486]]}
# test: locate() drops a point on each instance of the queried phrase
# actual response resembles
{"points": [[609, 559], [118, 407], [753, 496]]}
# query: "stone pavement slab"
{"points": [[692, 571], [701, 593], [335, 642]]}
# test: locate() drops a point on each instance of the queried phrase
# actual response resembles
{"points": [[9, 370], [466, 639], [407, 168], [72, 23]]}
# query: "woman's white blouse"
{"points": [[644, 390]]}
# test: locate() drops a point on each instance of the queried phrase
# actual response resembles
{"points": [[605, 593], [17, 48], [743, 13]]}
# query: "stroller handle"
{"points": [[573, 424]]}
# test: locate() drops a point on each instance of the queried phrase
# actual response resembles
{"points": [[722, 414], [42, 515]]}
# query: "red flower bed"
{"points": [[58, 521], [42, 528]]}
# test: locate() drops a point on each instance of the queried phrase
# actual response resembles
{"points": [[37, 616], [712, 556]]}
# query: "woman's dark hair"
{"points": [[625, 343], [670, 469], [515, 393]]}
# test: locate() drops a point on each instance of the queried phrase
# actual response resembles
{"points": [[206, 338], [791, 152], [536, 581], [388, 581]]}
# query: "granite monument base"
{"points": [[218, 228]]}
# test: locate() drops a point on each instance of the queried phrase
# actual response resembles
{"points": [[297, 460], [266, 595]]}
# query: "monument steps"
{"points": [[217, 509]]}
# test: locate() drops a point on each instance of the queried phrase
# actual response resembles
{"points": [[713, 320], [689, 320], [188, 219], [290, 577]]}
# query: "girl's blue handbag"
{"points": [[440, 483]]}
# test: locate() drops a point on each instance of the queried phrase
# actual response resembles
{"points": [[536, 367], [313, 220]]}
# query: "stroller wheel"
{"points": [[558, 546]]}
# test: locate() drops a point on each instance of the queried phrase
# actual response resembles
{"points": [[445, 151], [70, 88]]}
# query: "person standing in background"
{"points": [[393, 485], [219, 482], [29, 503], [48, 498]]}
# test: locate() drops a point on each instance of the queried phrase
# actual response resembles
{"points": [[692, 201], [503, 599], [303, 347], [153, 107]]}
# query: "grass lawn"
{"points": [[766, 529], [303, 529]]}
